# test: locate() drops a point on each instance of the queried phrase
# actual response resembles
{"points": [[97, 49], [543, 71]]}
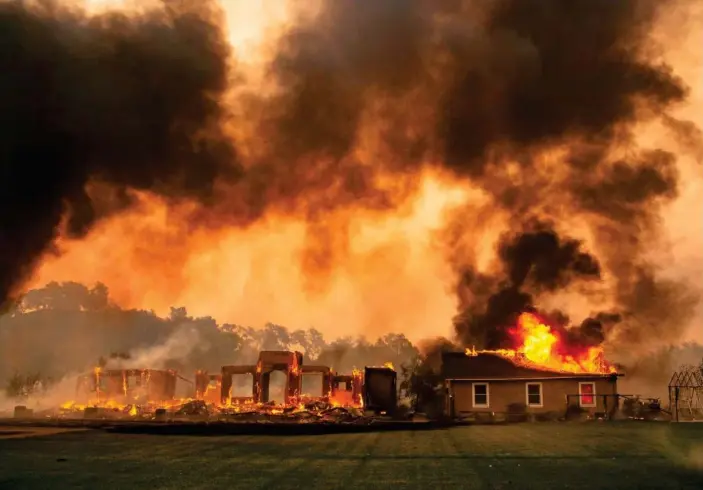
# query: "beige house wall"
{"points": [[502, 393]]}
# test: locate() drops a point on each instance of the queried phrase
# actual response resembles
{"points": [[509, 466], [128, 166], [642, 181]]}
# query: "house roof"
{"points": [[486, 366]]}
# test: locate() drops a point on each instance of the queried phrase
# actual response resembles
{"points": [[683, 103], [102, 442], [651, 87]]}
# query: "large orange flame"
{"points": [[540, 346]]}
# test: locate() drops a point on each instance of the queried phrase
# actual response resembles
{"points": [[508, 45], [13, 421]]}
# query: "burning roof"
{"points": [[490, 365], [539, 346]]}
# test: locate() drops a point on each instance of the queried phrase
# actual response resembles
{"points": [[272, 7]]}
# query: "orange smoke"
{"points": [[541, 346], [385, 276]]}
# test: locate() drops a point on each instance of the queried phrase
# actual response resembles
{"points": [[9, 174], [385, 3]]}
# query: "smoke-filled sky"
{"points": [[411, 166]]}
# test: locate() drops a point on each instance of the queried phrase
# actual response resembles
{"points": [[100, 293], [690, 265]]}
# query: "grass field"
{"points": [[593, 455]]}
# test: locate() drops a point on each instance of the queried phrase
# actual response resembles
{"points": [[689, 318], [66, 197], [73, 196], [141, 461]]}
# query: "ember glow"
{"points": [[308, 409], [147, 394], [541, 346]]}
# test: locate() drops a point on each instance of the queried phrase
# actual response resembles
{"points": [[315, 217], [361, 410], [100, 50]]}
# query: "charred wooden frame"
{"points": [[226, 381], [326, 373], [129, 384]]}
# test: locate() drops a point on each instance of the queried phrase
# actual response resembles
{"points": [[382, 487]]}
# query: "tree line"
{"points": [[67, 328]]}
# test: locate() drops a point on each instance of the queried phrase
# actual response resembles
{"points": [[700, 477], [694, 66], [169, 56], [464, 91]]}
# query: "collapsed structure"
{"points": [[126, 389], [135, 386], [342, 389]]}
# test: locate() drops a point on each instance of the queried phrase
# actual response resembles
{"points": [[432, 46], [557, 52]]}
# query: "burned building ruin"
{"points": [[127, 385], [341, 389], [208, 387]]}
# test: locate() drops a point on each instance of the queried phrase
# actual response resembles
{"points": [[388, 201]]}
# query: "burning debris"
{"points": [[539, 345], [144, 394], [122, 392]]}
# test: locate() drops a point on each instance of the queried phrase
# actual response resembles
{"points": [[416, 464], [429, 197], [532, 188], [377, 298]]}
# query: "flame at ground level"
{"points": [[540, 346], [303, 410]]}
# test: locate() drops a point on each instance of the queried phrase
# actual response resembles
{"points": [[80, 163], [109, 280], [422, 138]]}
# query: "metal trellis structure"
{"points": [[686, 395]]}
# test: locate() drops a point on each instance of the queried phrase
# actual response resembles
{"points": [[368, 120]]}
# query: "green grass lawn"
{"points": [[591, 455]]}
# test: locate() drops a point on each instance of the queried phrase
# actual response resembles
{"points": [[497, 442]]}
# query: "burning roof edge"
{"points": [[495, 363]]}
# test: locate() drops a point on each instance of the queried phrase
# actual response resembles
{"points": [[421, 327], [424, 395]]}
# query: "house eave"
{"points": [[538, 378]]}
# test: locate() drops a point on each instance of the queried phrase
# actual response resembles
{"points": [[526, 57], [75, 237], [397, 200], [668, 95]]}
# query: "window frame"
{"points": [[527, 394], [593, 394], [473, 395]]}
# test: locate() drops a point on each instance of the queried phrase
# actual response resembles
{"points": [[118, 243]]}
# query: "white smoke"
{"points": [[184, 342], [42, 399]]}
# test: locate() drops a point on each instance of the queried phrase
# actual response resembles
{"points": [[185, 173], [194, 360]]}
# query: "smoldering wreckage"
{"points": [[538, 380], [120, 395]]}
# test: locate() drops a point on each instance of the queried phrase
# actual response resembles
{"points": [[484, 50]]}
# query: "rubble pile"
{"points": [[143, 395], [318, 411]]}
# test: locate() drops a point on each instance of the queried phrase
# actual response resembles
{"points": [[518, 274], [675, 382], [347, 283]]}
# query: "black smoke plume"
{"points": [[532, 262], [535, 77], [127, 100]]}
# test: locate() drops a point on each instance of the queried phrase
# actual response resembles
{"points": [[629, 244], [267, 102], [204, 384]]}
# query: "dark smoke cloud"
{"points": [[505, 80], [484, 90], [542, 72], [131, 101], [534, 261], [689, 136], [329, 65], [538, 75], [351, 63]]}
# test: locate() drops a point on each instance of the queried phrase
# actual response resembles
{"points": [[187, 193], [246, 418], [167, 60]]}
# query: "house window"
{"points": [[480, 394], [587, 394], [534, 394]]}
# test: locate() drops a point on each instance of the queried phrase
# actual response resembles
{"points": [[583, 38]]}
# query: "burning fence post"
{"points": [[96, 372], [357, 387]]}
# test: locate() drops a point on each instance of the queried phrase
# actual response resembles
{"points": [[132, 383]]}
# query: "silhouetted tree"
{"points": [[68, 296], [22, 386], [59, 329]]}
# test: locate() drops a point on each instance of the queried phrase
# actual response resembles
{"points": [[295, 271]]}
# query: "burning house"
{"points": [[489, 383], [539, 377]]}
